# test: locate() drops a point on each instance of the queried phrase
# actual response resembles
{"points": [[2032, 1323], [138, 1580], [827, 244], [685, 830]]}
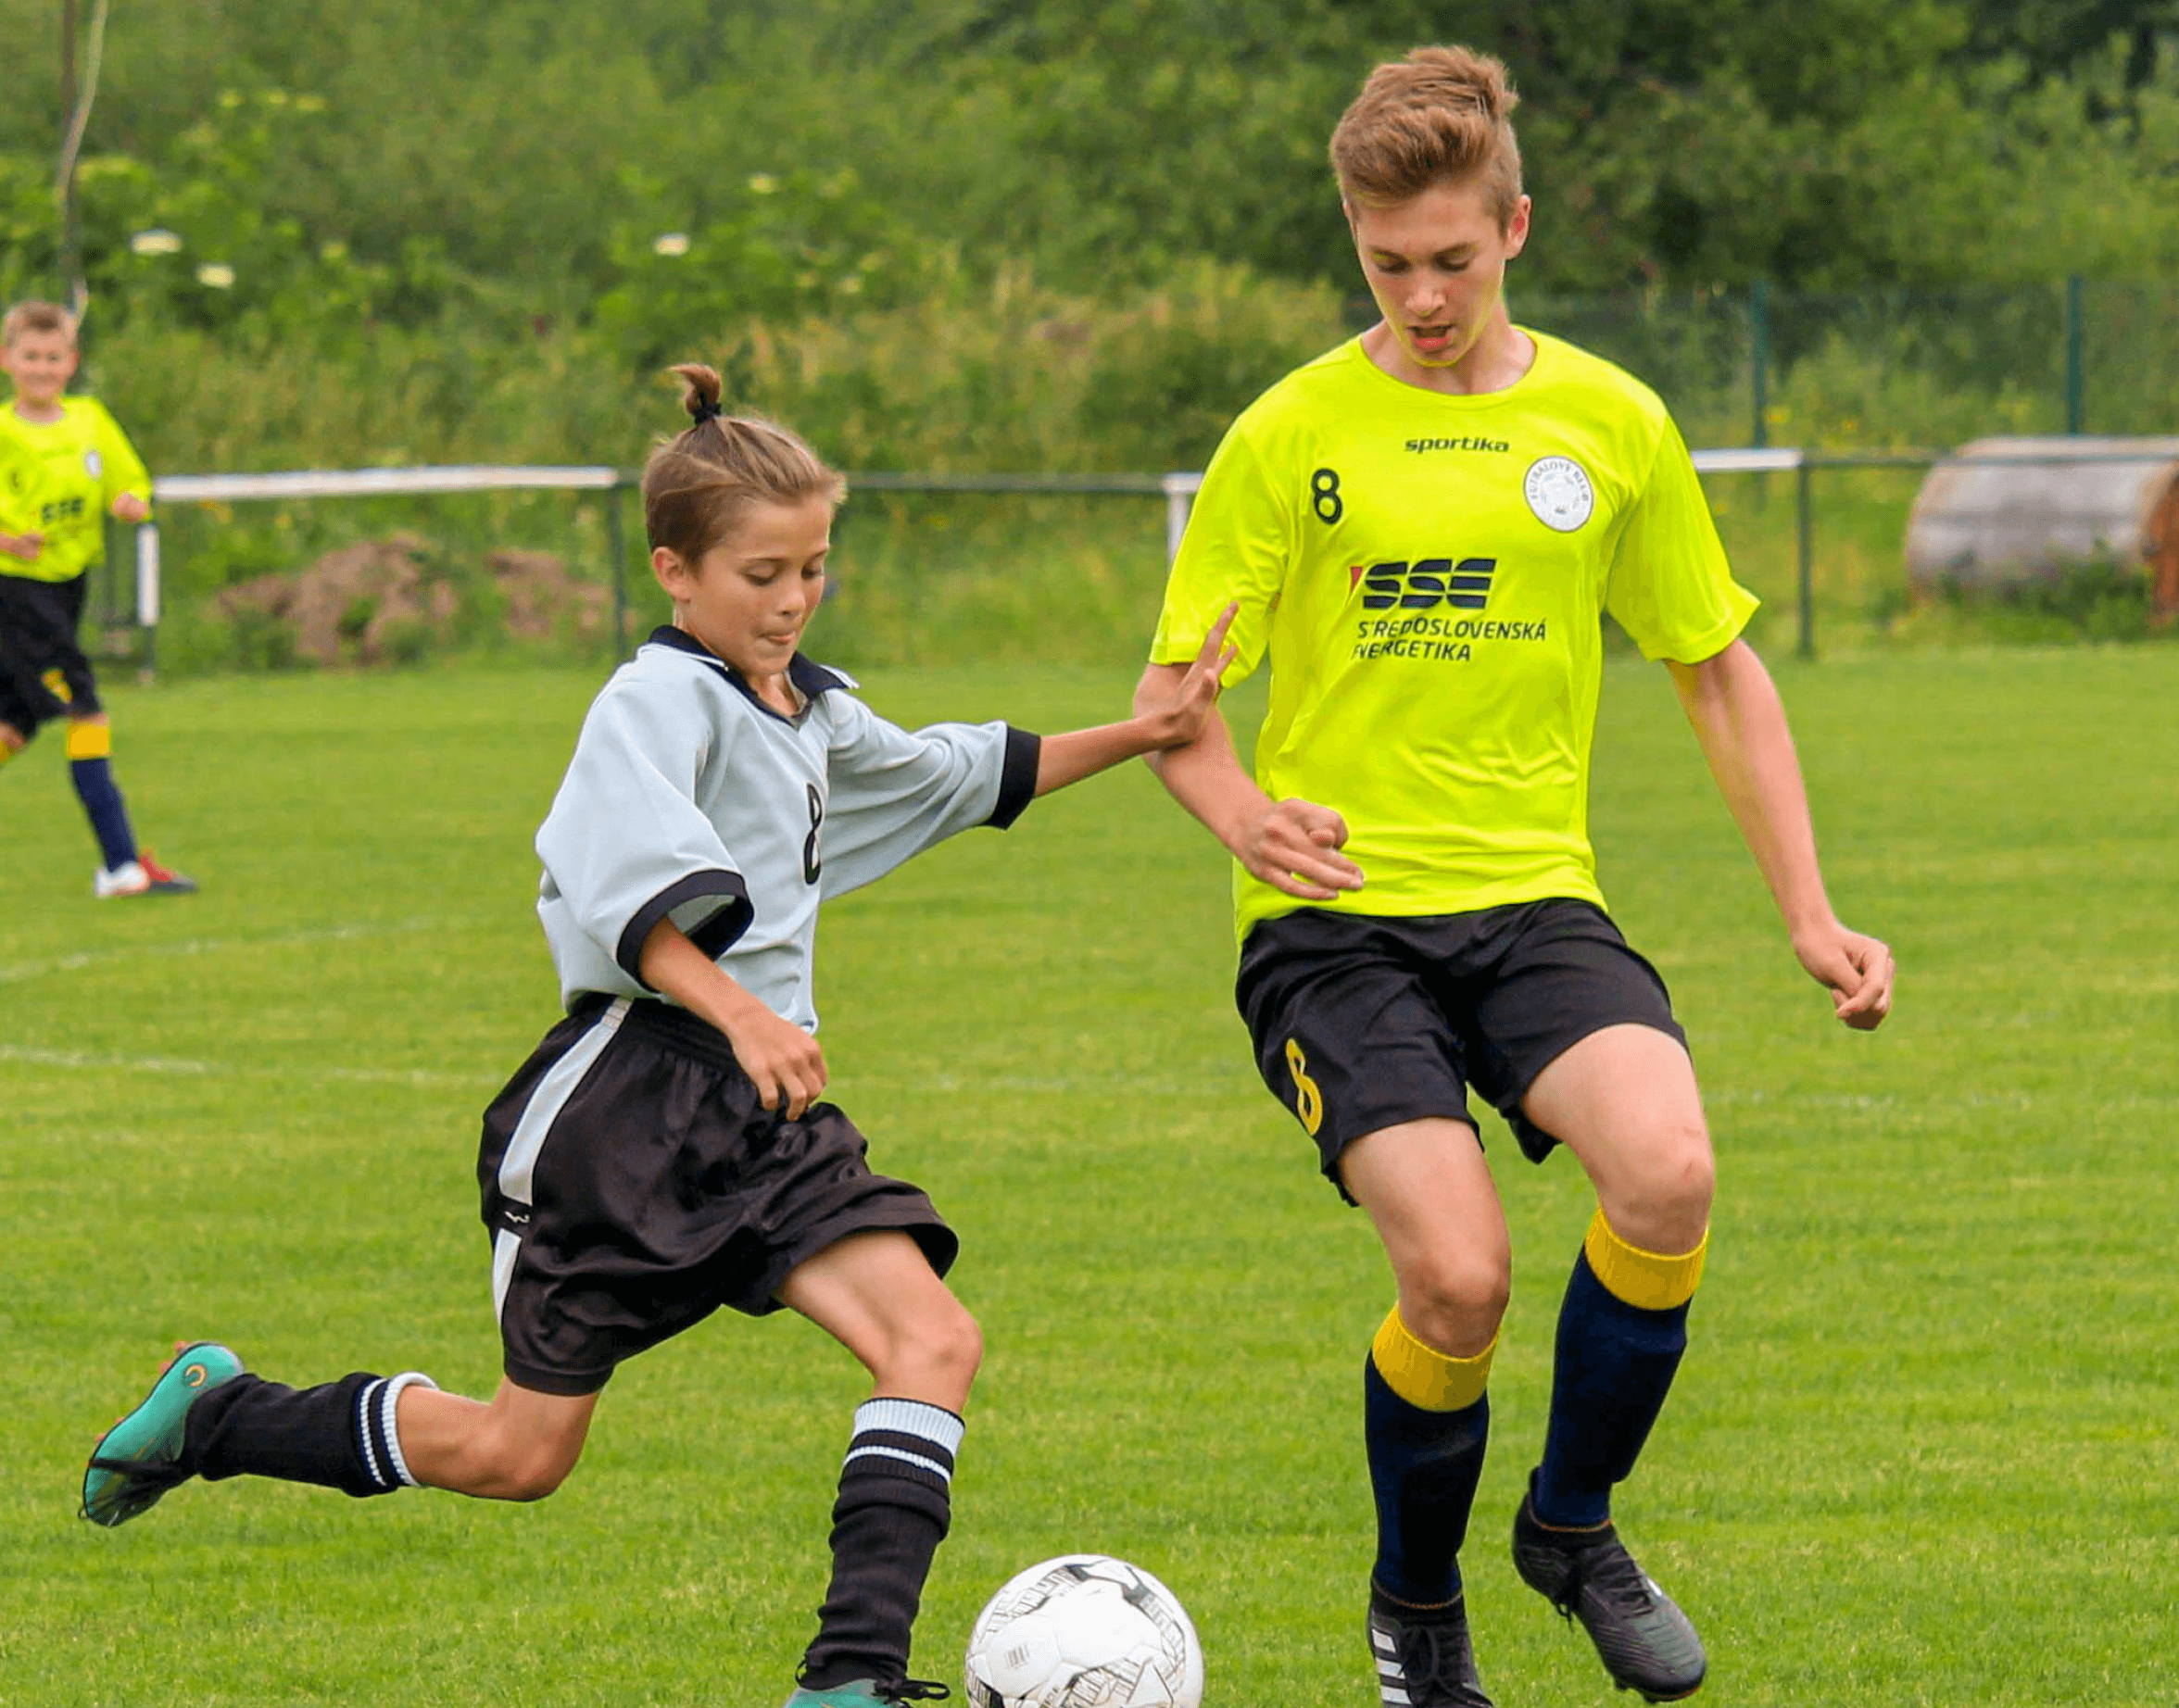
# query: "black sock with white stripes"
{"points": [[340, 1435], [894, 1507]]}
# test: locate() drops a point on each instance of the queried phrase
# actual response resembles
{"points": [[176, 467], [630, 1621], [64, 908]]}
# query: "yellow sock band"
{"points": [[90, 741], [1647, 1280], [1424, 1376]]}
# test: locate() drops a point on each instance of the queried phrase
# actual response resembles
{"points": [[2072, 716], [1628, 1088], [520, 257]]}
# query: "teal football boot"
{"points": [[133, 1464]]}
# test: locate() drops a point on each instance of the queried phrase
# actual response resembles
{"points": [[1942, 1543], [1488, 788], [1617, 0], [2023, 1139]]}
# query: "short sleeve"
{"points": [[625, 844], [1237, 548], [893, 793], [1669, 584], [122, 470]]}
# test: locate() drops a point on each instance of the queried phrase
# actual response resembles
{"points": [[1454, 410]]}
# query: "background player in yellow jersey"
{"points": [[65, 465], [1422, 529]]}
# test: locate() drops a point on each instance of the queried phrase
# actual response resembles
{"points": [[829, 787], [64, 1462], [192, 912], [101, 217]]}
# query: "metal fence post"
{"points": [[616, 548], [2076, 382], [147, 549], [109, 618], [1759, 360], [1180, 490], [1804, 522]]}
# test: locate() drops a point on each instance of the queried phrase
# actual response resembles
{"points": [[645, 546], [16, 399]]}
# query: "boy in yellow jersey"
{"points": [[1422, 529], [64, 465]]}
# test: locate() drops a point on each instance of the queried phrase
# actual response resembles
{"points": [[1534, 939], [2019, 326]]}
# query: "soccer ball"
{"points": [[1084, 1631]]}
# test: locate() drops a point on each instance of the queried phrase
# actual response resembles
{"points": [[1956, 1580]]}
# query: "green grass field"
{"points": [[1921, 1451]]}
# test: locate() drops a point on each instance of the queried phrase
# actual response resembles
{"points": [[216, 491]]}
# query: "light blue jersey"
{"points": [[691, 800]]}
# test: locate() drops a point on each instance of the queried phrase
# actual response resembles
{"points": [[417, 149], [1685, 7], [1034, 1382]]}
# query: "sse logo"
{"points": [[1426, 583]]}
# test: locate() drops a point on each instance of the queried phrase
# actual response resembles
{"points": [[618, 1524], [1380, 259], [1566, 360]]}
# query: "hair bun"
{"points": [[700, 389]]}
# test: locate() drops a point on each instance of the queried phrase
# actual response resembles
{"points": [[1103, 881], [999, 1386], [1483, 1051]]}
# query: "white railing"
{"points": [[1178, 489]]}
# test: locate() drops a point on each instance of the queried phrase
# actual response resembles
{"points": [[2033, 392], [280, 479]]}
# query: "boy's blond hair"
{"points": [[1442, 115], [696, 485], [36, 317]]}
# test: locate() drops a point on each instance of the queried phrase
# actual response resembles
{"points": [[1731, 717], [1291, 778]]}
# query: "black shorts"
{"points": [[1364, 1022], [38, 623], [632, 1186]]}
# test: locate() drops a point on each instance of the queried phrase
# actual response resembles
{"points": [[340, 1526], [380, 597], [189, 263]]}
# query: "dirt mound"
{"points": [[541, 595], [390, 600]]}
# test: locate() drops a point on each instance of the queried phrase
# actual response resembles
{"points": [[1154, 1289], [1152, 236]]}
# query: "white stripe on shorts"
{"points": [[518, 1167], [506, 1246]]}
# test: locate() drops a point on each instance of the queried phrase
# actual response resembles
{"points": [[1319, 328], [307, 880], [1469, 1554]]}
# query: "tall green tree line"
{"points": [[1677, 143]]}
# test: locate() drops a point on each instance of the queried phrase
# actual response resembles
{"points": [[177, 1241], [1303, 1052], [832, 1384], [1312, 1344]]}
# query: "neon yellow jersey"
{"points": [[59, 478], [1427, 574]]}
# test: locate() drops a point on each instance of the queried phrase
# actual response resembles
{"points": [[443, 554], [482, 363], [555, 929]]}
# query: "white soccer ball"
{"points": [[1084, 1631]]}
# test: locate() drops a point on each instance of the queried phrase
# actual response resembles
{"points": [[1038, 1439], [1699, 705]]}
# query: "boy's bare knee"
{"points": [[1454, 1301], [13, 739], [934, 1355], [1686, 1182], [1666, 1206], [951, 1346]]}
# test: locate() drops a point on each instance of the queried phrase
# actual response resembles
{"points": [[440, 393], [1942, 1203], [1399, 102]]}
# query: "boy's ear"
{"points": [[672, 572]]}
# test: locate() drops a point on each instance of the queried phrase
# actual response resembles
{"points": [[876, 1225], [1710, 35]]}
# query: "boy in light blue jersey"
{"points": [[664, 1151]]}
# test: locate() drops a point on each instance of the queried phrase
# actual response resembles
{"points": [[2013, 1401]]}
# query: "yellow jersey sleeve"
{"points": [[122, 470], [1669, 584], [1235, 551]]}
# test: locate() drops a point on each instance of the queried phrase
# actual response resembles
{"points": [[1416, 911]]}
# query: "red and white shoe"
{"points": [[141, 876]]}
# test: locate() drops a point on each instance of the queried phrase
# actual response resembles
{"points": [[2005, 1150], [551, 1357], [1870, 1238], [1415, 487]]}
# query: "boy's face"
{"points": [[748, 599], [1436, 266], [41, 364]]}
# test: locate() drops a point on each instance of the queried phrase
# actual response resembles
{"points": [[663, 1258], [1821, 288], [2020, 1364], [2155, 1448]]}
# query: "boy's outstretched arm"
{"points": [[781, 1060], [1171, 720], [1292, 845], [1735, 707]]}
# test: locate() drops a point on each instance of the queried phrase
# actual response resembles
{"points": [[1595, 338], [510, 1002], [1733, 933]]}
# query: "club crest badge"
{"points": [[94, 464], [1560, 493]]}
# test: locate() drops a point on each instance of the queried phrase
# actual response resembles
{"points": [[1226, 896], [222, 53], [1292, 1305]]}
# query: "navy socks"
{"points": [[1613, 1367], [102, 804], [1423, 1469]]}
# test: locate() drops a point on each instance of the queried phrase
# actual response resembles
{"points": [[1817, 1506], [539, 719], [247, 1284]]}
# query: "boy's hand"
{"points": [[129, 508], [1295, 846], [23, 545], [1181, 720], [781, 1060], [1858, 968]]}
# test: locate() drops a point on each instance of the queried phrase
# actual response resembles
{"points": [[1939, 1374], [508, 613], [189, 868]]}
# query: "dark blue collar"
{"points": [[809, 680]]}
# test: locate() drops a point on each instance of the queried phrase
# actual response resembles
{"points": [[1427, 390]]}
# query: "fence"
{"points": [[1175, 491], [171, 489], [1924, 365], [1856, 373]]}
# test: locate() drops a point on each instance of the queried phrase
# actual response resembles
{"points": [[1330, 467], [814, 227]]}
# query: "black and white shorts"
{"points": [[1363, 1023], [632, 1186], [38, 620]]}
